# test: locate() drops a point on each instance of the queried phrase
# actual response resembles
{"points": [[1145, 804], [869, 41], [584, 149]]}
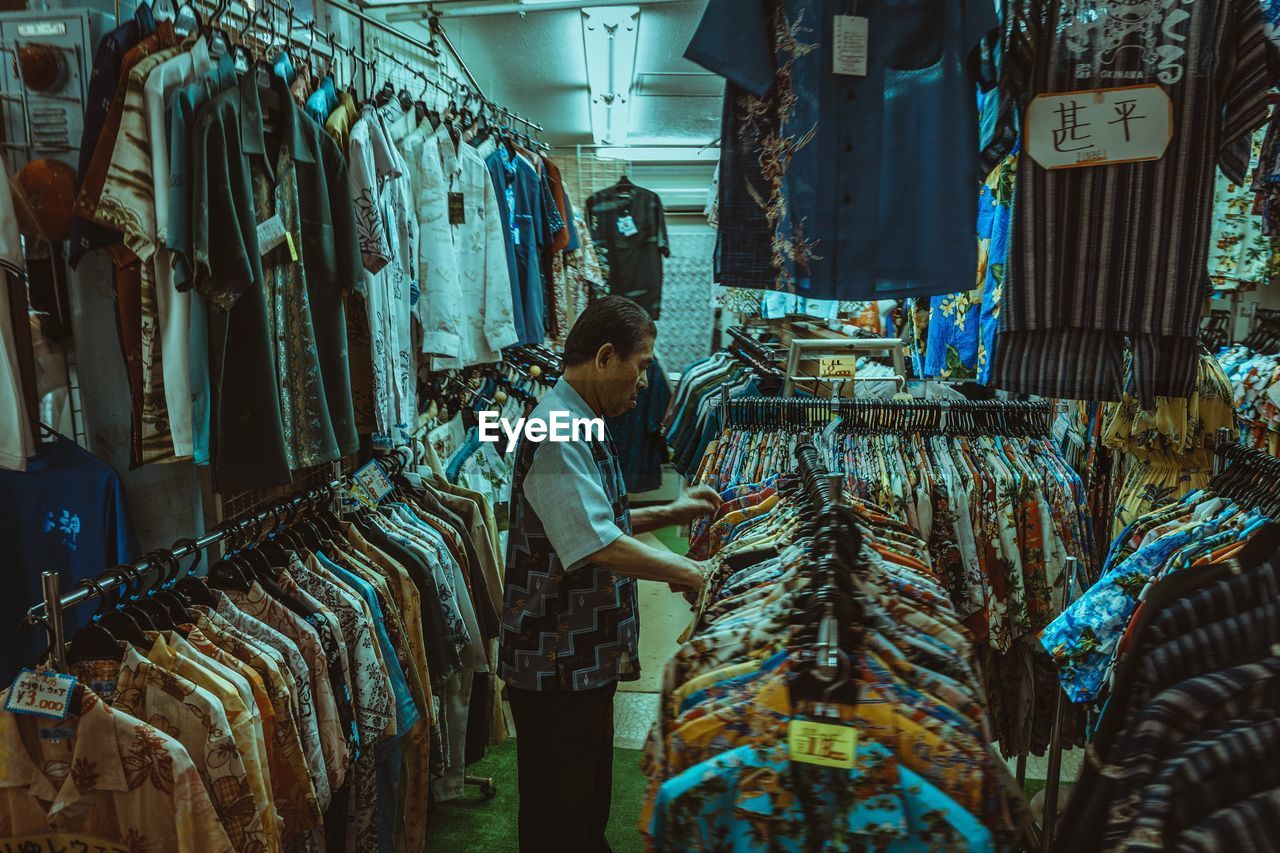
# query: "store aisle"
{"points": [[491, 825]]}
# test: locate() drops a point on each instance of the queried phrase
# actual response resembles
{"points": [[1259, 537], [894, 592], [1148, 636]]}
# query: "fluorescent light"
{"points": [[610, 36], [659, 154]]}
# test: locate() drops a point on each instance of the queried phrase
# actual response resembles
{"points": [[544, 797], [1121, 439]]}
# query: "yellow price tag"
{"points": [[837, 366], [822, 743], [293, 250]]}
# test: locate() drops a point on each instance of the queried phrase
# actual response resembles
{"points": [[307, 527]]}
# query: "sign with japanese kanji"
{"points": [[1099, 127], [824, 744]]}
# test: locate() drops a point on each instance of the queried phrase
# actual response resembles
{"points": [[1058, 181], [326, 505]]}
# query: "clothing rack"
{"points": [[836, 540], [809, 348], [49, 612], [1246, 475], [1001, 417], [762, 358], [1264, 338], [252, 17]]}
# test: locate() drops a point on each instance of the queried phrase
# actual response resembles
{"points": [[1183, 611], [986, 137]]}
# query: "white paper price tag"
{"points": [[271, 233], [44, 694], [849, 46], [627, 226], [374, 481], [1099, 127]]}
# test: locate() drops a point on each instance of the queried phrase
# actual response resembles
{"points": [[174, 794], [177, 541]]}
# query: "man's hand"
{"points": [[695, 503], [691, 587]]}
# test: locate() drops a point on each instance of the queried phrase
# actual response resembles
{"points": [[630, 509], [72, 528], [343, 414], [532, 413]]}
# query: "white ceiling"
{"points": [[535, 63]]}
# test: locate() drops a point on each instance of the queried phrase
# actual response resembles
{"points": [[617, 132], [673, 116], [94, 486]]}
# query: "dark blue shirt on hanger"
{"points": [[64, 514], [852, 186]]}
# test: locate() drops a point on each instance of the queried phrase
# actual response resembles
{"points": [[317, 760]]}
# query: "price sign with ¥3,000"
{"points": [[44, 694], [1099, 127], [824, 744]]}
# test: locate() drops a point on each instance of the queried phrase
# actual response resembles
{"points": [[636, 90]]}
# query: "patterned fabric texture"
{"points": [[101, 779], [1170, 443]]}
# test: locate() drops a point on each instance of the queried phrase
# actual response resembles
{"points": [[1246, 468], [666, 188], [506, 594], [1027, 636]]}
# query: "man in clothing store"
{"points": [[570, 621]]}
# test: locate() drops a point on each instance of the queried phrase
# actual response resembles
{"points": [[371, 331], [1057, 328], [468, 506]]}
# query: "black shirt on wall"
{"points": [[630, 232]]}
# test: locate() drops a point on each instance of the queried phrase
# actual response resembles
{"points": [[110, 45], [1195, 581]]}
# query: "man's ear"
{"points": [[604, 355]]}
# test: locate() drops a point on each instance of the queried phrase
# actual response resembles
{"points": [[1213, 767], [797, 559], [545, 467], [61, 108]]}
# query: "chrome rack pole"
{"points": [[1055, 737], [84, 593], [50, 584]]}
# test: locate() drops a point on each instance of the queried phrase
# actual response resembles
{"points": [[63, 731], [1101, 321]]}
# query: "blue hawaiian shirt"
{"points": [[1084, 638], [754, 798]]}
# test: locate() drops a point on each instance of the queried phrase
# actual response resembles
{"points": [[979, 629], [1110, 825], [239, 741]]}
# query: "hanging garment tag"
{"points": [[374, 481], [271, 233], [43, 694], [849, 46], [823, 744], [1099, 127], [457, 209], [627, 226]]}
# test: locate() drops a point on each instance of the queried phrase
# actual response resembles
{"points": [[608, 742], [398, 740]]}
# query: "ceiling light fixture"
{"points": [[610, 37]]}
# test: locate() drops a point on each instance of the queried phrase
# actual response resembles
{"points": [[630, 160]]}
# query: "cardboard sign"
{"points": [[823, 744], [837, 366], [1099, 127], [42, 694]]}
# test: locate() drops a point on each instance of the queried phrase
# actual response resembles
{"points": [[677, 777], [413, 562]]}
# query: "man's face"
{"points": [[624, 378]]}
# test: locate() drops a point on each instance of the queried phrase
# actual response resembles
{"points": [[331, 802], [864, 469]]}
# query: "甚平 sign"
{"points": [[1099, 127]]}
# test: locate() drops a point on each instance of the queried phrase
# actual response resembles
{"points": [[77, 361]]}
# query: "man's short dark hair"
{"points": [[613, 320]]}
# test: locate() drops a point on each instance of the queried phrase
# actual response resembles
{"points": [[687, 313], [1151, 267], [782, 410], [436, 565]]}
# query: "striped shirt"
{"points": [[1175, 716], [1105, 252], [1178, 797]]}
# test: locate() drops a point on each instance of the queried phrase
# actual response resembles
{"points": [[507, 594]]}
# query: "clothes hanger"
{"points": [[96, 641], [226, 573], [124, 624], [147, 602], [188, 585], [168, 595]]}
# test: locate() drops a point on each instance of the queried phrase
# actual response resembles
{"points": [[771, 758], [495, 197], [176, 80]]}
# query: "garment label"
{"points": [[627, 226], [1099, 127], [44, 694], [849, 46], [823, 744], [837, 366], [271, 233], [457, 209]]}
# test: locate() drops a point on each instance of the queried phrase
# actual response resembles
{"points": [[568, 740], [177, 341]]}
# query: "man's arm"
{"points": [[695, 503], [629, 556]]}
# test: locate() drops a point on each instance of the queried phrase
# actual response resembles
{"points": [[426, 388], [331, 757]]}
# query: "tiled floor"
{"points": [[663, 617], [633, 714]]}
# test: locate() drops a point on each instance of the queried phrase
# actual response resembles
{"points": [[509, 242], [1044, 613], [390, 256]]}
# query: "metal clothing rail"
{"points": [[49, 612], [437, 34], [808, 348], [255, 17], [954, 416]]}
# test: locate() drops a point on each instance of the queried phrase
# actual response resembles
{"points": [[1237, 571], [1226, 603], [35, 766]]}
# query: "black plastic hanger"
{"points": [[228, 574], [191, 587]]}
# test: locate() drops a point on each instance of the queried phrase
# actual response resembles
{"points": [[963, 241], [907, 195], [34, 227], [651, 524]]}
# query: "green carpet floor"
{"points": [[489, 826]]}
